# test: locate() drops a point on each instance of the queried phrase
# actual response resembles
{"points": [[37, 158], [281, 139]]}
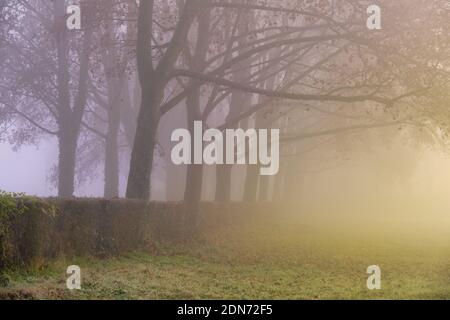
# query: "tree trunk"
{"points": [[193, 191], [223, 183], [264, 188], [279, 184], [194, 178], [251, 184], [66, 163], [141, 162], [112, 157], [153, 82], [129, 112], [238, 103], [69, 118]]}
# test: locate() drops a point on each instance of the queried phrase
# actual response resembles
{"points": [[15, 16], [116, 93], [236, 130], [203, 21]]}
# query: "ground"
{"points": [[287, 260]]}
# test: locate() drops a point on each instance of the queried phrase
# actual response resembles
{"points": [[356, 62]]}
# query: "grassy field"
{"points": [[292, 259]]}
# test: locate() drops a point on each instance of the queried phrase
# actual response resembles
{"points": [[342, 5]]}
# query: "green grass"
{"points": [[288, 260]]}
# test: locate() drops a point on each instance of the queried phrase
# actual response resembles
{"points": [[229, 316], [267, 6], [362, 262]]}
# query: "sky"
{"points": [[28, 170]]}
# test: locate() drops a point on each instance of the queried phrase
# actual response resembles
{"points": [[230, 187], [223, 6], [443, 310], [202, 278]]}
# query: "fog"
{"points": [[360, 107], [29, 168], [274, 149], [401, 171]]}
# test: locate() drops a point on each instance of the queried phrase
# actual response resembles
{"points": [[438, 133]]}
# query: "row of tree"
{"points": [[110, 91]]}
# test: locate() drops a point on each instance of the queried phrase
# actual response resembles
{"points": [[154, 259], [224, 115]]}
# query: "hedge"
{"points": [[32, 231]]}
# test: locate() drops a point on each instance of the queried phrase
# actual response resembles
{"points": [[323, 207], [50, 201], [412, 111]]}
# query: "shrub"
{"points": [[9, 209], [26, 229]]}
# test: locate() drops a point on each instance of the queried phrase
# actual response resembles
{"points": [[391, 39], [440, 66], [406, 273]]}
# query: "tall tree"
{"points": [[153, 80], [47, 77]]}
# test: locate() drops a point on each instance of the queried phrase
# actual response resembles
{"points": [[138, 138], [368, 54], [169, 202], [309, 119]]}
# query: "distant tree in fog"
{"points": [[292, 26], [312, 69], [41, 62]]}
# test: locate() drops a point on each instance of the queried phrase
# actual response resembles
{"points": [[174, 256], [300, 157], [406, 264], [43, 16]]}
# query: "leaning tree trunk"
{"points": [[141, 162], [153, 82]]}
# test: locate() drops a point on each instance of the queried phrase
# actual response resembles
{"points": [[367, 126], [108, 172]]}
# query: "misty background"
{"points": [[363, 113]]}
